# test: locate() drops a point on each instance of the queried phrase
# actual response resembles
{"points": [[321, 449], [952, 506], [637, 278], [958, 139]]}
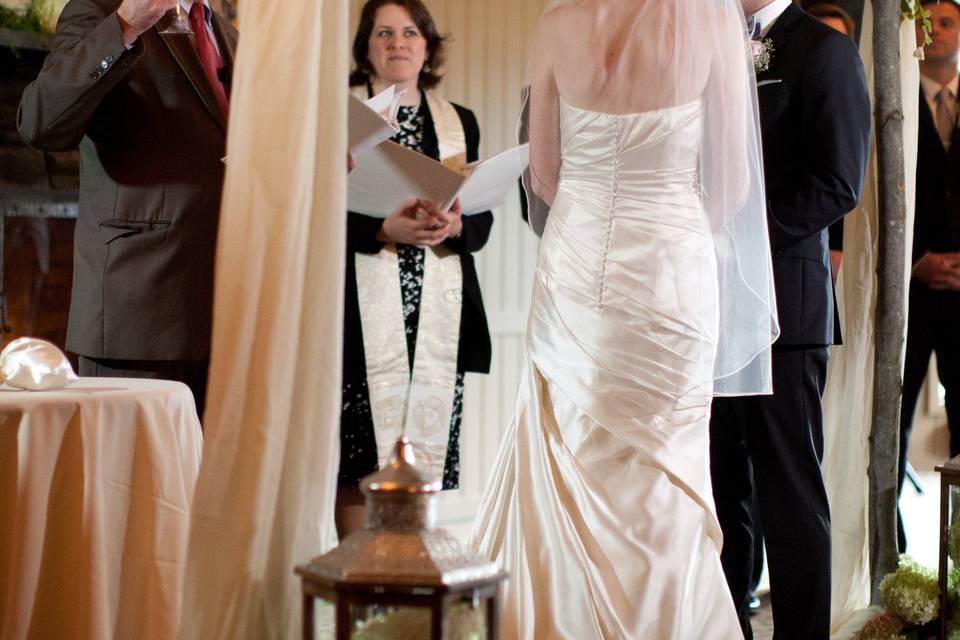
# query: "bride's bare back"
{"points": [[625, 56], [633, 56]]}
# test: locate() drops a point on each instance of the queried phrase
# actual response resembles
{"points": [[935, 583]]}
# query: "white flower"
{"points": [[911, 592], [762, 54]]}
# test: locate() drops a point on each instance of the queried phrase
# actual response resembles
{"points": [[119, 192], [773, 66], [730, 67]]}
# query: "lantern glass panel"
{"points": [[467, 621], [324, 618], [953, 551], [378, 622], [464, 621], [953, 526]]}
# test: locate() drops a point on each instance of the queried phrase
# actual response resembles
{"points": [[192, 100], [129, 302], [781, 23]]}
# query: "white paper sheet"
{"points": [[389, 174], [373, 121]]}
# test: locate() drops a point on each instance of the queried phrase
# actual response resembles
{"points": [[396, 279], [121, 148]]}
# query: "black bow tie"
{"points": [[753, 27]]}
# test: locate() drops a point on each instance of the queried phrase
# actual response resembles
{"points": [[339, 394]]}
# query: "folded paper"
{"points": [[372, 121], [390, 173]]}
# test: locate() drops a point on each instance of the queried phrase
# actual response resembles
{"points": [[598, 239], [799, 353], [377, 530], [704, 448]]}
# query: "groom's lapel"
{"points": [[779, 35]]}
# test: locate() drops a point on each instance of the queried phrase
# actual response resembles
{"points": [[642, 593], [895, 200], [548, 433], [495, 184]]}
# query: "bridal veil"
{"points": [[663, 54]]}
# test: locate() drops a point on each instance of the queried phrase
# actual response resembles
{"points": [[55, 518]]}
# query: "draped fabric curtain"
{"points": [[264, 499], [848, 398]]}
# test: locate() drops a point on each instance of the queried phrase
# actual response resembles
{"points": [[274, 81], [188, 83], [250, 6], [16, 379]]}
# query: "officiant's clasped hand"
{"points": [[420, 222]]}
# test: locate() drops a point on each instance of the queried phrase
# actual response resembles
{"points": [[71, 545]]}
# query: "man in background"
{"points": [[935, 282], [148, 110]]}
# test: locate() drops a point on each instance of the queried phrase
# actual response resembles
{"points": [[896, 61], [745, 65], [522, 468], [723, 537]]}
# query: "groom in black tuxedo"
{"points": [[815, 126]]}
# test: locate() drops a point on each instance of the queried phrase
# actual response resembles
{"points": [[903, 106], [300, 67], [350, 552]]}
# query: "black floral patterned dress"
{"points": [[358, 445]]}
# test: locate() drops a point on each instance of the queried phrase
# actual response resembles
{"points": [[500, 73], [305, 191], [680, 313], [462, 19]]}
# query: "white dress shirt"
{"points": [[769, 14]]}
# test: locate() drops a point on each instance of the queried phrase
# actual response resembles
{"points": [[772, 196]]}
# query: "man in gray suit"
{"points": [[148, 112]]}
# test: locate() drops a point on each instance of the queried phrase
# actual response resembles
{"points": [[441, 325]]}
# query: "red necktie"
{"points": [[208, 54]]}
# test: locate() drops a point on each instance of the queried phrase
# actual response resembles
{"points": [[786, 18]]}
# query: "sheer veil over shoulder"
{"points": [[653, 293]]}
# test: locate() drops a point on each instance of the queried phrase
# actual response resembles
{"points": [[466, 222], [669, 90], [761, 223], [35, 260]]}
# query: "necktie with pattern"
{"points": [[208, 55], [946, 117]]}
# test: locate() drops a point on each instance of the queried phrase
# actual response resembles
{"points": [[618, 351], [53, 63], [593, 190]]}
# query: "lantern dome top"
{"points": [[401, 475], [400, 550]]}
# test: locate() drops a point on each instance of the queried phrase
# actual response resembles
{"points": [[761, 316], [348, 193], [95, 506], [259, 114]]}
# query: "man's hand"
{"points": [[136, 16], [939, 270], [415, 222]]}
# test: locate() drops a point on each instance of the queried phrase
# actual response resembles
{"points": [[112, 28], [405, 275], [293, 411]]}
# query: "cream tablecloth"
{"points": [[95, 488]]}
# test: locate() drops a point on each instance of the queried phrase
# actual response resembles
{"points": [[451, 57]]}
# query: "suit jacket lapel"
{"points": [[185, 53], [925, 116], [954, 152], [779, 35], [226, 37]]}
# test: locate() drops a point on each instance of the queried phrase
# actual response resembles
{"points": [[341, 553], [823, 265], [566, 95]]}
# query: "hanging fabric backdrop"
{"points": [[848, 399], [264, 500]]}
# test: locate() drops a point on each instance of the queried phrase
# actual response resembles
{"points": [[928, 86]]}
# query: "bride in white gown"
{"points": [[653, 292]]}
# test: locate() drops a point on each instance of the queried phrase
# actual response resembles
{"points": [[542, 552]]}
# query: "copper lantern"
{"points": [[400, 577], [949, 537]]}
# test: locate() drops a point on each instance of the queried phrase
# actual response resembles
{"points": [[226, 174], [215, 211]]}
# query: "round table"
{"points": [[95, 488]]}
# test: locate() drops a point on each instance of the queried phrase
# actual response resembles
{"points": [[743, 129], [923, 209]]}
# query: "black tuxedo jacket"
{"points": [[815, 125], [936, 225], [474, 349], [151, 136]]}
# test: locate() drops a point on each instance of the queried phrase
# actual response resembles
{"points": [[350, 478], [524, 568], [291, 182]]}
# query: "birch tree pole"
{"points": [[889, 327]]}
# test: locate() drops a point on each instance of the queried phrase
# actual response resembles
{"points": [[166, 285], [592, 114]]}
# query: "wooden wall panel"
{"points": [[486, 65]]}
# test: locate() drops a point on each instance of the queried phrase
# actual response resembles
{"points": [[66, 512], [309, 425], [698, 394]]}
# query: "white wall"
{"points": [[486, 64]]}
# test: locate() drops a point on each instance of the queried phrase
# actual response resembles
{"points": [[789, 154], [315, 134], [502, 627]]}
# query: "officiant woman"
{"points": [[414, 318]]}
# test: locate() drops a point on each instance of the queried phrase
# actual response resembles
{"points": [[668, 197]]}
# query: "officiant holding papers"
{"points": [[414, 319]]}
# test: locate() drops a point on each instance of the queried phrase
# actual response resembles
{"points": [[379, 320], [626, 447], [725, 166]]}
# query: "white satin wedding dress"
{"points": [[600, 505]]}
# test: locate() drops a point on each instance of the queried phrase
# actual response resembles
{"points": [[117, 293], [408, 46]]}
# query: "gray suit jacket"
{"points": [[151, 138]]}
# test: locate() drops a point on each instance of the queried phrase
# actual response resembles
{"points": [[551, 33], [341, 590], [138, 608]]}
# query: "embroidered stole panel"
{"points": [[416, 403]]}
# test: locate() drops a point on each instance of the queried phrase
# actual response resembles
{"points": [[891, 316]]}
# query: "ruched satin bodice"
{"points": [[634, 159], [600, 504], [622, 177], [627, 260]]}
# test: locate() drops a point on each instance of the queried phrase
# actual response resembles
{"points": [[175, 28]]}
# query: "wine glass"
{"points": [[178, 22]]}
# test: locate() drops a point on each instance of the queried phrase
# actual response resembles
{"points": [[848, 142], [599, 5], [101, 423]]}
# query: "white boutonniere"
{"points": [[762, 54]]}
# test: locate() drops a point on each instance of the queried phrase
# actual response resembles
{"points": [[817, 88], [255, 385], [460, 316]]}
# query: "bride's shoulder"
{"points": [[561, 20], [561, 13]]}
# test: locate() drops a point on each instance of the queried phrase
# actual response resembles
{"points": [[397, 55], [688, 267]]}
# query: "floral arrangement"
{"points": [[882, 627], [463, 622], [911, 599], [35, 16], [762, 54], [912, 10]]}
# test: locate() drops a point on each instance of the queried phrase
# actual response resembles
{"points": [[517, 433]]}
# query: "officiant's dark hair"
{"points": [[429, 76]]}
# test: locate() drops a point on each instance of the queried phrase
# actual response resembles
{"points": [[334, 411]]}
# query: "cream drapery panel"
{"points": [[848, 399], [264, 499]]}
